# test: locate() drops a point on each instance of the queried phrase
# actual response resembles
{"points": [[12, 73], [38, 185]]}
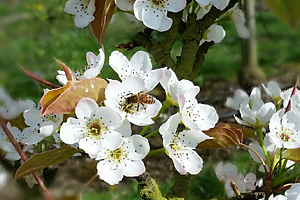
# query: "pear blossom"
{"points": [[153, 13], [124, 97], [125, 5], [83, 11], [94, 129], [270, 149], [179, 146], [139, 65], [294, 192], [251, 182], [95, 65], [12, 109], [40, 127], [287, 94], [240, 96], [237, 16], [173, 86], [240, 183], [277, 197], [219, 4], [125, 160], [256, 116], [7, 146], [226, 171], [285, 129], [273, 90], [196, 116], [214, 33]]}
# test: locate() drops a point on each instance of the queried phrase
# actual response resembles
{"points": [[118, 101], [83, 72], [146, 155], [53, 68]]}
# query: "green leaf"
{"points": [[287, 11], [42, 160], [293, 154], [223, 137]]}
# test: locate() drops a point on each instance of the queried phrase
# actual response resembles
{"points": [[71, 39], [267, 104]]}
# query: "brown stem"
{"points": [[259, 157], [47, 194]]}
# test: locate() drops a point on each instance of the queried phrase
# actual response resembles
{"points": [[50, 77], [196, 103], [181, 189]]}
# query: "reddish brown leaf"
{"points": [[247, 132], [70, 76], [63, 100], [103, 14], [38, 79], [223, 137]]}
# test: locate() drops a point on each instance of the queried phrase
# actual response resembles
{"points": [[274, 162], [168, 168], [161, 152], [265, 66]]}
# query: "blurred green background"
{"points": [[33, 32]]}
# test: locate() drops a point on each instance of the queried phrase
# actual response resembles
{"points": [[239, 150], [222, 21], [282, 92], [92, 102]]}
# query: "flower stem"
{"points": [[157, 151], [259, 157], [261, 138], [47, 194], [165, 105], [152, 133]]}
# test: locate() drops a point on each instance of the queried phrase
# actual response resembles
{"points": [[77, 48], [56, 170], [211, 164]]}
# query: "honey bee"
{"points": [[141, 97]]}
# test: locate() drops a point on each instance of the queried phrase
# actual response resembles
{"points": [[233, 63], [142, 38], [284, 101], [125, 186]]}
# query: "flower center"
{"points": [[117, 155], [159, 3], [95, 129], [284, 137]]}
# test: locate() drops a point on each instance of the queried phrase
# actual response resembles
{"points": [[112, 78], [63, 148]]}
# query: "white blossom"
{"points": [[126, 160], [83, 11], [153, 13], [179, 146], [94, 129], [129, 99], [139, 65]]}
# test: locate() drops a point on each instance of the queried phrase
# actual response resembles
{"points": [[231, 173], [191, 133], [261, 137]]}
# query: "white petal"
{"points": [[265, 112], [153, 79], [85, 107], [108, 117], [165, 24], [61, 77], [126, 5], [175, 5], [124, 129], [133, 168], [120, 64], [140, 61], [190, 161], [137, 82], [113, 89], [152, 18], [111, 140], [32, 117], [109, 173], [140, 148], [71, 131], [31, 136]]}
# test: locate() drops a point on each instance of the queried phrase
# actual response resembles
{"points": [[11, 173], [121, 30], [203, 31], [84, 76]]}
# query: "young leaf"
{"points": [[247, 132], [286, 11], [38, 79], [223, 137], [103, 14], [63, 100], [40, 161]]}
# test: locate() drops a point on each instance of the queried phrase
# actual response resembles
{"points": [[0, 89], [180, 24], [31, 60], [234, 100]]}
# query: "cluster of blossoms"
{"points": [[229, 172], [153, 14], [104, 132], [277, 125], [283, 123]]}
